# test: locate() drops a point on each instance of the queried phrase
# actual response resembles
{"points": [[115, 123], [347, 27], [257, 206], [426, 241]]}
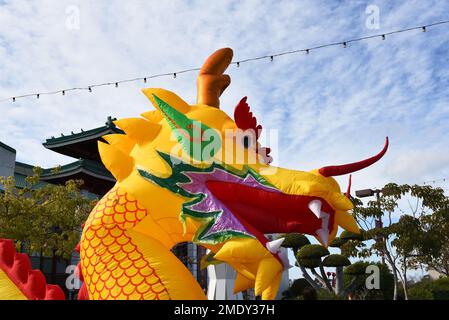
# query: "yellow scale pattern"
{"points": [[112, 265]]}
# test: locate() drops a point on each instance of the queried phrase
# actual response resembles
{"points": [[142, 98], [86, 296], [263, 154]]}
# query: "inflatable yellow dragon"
{"points": [[167, 193], [191, 173]]}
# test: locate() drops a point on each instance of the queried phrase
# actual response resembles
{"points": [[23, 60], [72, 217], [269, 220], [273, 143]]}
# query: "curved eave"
{"points": [[70, 173], [97, 180], [93, 134], [81, 145]]}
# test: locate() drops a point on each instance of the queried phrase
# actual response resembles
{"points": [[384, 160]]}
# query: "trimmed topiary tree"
{"points": [[311, 251], [356, 269], [310, 263], [309, 256], [338, 262], [294, 241]]}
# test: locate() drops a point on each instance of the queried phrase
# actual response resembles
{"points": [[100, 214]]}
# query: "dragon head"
{"points": [[210, 171]]}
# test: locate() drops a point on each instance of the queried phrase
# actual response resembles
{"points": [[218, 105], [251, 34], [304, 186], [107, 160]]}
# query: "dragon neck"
{"points": [[125, 244]]}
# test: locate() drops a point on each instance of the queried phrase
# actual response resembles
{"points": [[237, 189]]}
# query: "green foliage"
{"points": [[428, 289], [440, 289], [357, 273], [346, 235], [356, 269], [432, 246], [294, 240], [298, 286], [43, 218], [421, 290], [312, 251], [337, 242], [310, 263], [420, 237], [355, 248], [326, 295], [336, 260]]}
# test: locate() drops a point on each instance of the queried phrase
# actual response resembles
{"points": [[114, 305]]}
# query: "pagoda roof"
{"points": [[82, 145], [21, 172], [96, 177]]}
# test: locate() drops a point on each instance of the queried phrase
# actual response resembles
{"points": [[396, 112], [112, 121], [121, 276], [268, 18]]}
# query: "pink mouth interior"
{"points": [[262, 211]]}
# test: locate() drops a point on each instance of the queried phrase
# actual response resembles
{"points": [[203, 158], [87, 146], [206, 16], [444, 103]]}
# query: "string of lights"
{"points": [[271, 57], [435, 181]]}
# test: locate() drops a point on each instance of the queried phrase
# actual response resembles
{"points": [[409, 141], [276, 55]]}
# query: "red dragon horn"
{"points": [[348, 191], [332, 171]]}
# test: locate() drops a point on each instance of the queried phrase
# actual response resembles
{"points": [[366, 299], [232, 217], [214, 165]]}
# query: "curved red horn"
{"points": [[331, 171]]}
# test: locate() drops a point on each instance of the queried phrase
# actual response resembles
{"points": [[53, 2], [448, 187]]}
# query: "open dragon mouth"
{"points": [[232, 203], [262, 211]]}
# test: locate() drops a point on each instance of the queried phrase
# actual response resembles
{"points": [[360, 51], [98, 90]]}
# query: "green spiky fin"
{"points": [[197, 139]]}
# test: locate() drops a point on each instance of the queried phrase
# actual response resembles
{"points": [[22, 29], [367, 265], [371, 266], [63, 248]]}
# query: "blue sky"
{"points": [[332, 106]]}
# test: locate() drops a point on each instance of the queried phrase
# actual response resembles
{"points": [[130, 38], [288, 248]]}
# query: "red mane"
{"points": [[245, 120]]}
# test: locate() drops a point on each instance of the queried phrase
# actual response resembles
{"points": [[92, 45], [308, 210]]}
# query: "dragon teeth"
{"points": [[273, 246], [324, 235], [283, 254], [315, 207]]}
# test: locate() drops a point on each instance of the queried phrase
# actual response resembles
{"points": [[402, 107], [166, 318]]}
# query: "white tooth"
{"points": [[315, 207], [324, 220], [324, 235], [283, 254], [273, 246]]}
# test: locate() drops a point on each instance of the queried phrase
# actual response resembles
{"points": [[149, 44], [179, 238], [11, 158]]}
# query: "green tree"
{"points": [[310, 257], [355, 277], [43, 218], [428, 289], [433, 248], [337, 261], [405, 243]]}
